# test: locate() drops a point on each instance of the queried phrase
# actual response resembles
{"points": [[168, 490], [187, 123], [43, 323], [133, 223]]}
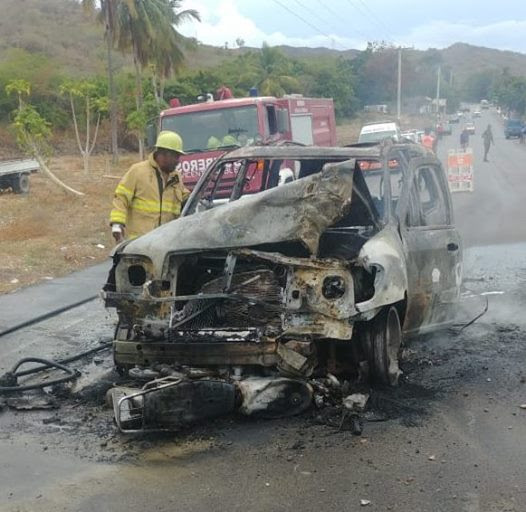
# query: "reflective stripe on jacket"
{"points": [[138, 202]]}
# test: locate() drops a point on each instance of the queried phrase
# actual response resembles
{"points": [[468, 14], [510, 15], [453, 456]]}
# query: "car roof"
{"points": [[217, 105], [298, 152], [378, 127]]}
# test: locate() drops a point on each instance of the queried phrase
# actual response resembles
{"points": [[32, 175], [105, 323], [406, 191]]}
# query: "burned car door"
{"points": [[433, 248]]}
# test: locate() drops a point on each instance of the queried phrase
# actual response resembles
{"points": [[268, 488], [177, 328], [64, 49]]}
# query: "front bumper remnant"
{"points": [[171, 403]]}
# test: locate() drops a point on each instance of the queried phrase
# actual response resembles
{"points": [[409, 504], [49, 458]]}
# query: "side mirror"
{"points": [[151, 135], [283, 120]]}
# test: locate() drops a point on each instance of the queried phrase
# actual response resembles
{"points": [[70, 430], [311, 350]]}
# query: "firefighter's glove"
{"points": [[117, 230]]}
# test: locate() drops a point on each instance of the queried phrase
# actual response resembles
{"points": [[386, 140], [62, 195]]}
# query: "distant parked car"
{"points": [[470, 128], [454, 118], [411, 135], [513, 128], [477, 113], [376, 132]]}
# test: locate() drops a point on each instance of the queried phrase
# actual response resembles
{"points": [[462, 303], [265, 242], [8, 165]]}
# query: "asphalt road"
{"points": [[452, 439], [495, 211]]}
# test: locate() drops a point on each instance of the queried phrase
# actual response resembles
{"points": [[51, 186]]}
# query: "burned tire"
{"points": [[381, 342], [21, 184]]}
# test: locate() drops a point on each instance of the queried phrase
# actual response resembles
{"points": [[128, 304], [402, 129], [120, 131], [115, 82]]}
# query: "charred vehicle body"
{"points": [[324, 274]]}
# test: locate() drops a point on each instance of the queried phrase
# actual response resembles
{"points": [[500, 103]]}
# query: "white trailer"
{"points": [[14, 174]]}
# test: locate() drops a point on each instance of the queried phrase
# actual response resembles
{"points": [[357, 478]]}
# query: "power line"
{"points": [[339, 17], [366, 15], [376, 17], [314, 27], [314, 13]]}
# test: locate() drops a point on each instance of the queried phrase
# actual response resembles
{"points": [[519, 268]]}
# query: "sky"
{"points": [[350, 24]]}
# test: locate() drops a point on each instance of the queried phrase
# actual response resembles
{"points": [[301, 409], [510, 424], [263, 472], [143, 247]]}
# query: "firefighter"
{"points": [[229, 140], [151, 192], [488, 141], [213, 142], [428, 141]]}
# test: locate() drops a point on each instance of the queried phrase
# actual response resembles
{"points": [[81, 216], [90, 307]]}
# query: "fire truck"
{"points": [[211, 128]]}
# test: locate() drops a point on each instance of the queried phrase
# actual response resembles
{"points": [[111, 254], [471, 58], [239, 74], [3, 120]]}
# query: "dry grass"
{"points": [[347, 132], [49, 233]]}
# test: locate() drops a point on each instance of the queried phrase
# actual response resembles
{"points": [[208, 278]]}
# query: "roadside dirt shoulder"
{"points": [[48, 233]]}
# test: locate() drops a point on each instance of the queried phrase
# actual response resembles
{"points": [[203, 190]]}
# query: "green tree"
{"points": [[33, 131], [332, 78], [479, 85], [376, 70], [275, 78], [146, 28], [106, 16], [93, 106], [510, 92], [167, 53], [138, 120], [21, 88], [44, 76]]}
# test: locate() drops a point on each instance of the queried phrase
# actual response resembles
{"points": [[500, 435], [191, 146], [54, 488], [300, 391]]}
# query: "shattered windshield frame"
{"points": [[386, 200]]}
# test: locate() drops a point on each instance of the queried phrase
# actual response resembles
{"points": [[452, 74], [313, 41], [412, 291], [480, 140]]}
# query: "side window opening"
{"points": [[427, 201], [272, 119], [397, 180], [283, 120]]}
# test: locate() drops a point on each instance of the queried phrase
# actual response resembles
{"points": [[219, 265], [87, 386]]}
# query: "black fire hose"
{"points": [[45, 316], [9, 381]]}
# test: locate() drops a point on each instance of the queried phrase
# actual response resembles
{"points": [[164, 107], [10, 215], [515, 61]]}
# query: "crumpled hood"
{"points": [[297, 211]]}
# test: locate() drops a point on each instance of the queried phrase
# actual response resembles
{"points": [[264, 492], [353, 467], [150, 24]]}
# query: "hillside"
{"points": [[61, 30], [297, 52], [465, 59], [55, 28]]}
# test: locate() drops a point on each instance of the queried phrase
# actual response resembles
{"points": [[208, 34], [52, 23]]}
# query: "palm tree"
{"points": [[275, 79], [167, 52], [146, 27], [106, 16]]}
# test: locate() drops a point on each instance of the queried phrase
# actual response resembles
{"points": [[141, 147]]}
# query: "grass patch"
{"points": [[48, 233]]}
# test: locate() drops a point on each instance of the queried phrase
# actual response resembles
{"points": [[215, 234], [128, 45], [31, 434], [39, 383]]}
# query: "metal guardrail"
{"points": [[18, 166]]}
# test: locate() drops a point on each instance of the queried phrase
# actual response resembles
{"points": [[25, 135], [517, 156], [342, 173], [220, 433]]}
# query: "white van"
{"points": [[378, 131]]}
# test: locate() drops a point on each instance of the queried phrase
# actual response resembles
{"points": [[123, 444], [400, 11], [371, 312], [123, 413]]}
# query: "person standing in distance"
{"points": [[464, 139], [488, 141], [151, 193], [428, 141]]}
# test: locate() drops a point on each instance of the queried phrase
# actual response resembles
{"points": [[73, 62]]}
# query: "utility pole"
{"points": [[438, 92], [110, 19], [399, 91]]}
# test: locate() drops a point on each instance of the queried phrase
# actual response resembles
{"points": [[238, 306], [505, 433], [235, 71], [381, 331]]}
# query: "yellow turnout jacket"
{"points": [[142, 202]]}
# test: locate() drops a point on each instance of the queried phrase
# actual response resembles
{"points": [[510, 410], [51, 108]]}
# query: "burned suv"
{"points": [[325, 273]]}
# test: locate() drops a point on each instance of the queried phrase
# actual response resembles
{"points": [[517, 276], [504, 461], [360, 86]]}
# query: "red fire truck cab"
{"points": [[210, 129]]}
